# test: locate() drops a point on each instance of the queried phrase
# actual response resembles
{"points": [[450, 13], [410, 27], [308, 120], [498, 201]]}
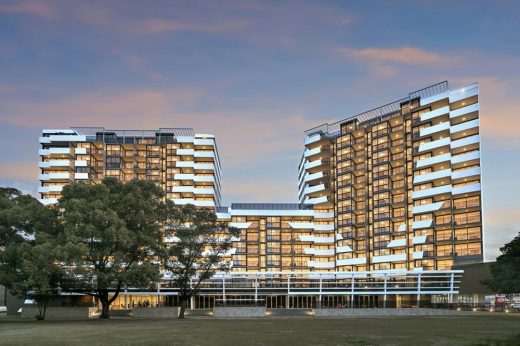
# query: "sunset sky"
{"points": [[256, 74]]}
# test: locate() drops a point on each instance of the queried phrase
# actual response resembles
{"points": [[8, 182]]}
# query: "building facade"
{"points": [[403, 181], [394, 189], [184, 164]]}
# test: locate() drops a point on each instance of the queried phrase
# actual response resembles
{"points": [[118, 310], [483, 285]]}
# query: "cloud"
{"points": [[35, 8], [400, 55], [387, 62], [243, 135], [159, 25]]}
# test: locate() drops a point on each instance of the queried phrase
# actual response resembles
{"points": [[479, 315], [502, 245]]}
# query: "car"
{"points": [[3, 310]]}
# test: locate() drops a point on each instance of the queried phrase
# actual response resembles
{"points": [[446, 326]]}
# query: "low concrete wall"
{"points": [[156, 312], [245, 311], [346, 312], [59, 313]]}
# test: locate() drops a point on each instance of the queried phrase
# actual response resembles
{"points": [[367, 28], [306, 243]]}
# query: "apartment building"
{"points": [[184, 164], [396, 188], [280, 237], [403, 181]]}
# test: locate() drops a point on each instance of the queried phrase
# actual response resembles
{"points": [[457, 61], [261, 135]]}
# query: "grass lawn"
{"points": [[473, 330]]}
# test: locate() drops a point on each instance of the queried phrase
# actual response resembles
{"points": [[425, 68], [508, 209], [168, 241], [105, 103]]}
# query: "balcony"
{"points": [[328, 215], [434, 98], [241, 225], [465, 126], [421, 239], [185, 164], [185, 152], [313, 189], [317, 200], [435, 128], [51, 188], [197, 203], [418, 255], [426, 208], [204, 154], [435, 113], [466, 189], [389, 258], [312, 139], [466, 173], [317, 240], [80, 151], [351, 261], [433, 160], [54, 163], [54, 151], [81, 176], [313, 176], [318, 252], [320, 265], [397, 243], [313, 164], [301, 225], [323, 227], [204, 179], [80, 163], [343, 249], [463, 93], [204, 166], [204, 142], [463, 142], [311, 152], [434, 144], [63, 138], [48, 201], [431, 191], [194, 190], [422, 224], [474, 155], [54, 176], [468, 111], [183, 177], [431, 176]]}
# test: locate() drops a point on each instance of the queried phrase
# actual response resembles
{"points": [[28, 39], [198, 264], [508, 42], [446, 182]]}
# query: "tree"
{"points": [[34, 273], [196, 250], [19, 216], [505, 271], [111, 233], [29, 267]]}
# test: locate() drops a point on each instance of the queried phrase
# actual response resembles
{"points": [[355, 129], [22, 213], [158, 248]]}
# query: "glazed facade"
{"points": [[184, 164], [395, 189], [403, 181]]}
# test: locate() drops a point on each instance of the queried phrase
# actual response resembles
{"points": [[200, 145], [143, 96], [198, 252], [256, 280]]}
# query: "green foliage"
{"points": [[506, 270], [111, 232], [198, 243], [28, 260], [21, 216]]}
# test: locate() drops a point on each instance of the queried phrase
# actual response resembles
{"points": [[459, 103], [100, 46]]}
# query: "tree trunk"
{"points": [[105, 305], [184, 302], [42, 308]]}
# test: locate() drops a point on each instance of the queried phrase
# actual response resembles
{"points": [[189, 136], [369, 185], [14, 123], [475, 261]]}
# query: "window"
{"points": [[470, 249]]}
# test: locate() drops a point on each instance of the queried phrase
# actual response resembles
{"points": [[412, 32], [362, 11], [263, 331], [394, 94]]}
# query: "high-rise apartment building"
{"points": [[184, 164], [393, 189], [403, 181]]}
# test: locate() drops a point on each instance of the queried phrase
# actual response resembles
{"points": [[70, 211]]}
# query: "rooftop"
{"points": [[333, 130], [92, 131], [265, 206]]}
